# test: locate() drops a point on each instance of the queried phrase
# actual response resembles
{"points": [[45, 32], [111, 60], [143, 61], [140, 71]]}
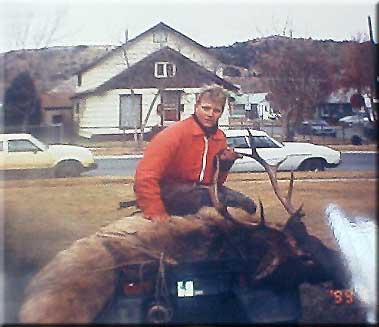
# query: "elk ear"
{"points": [[262, 220], [299, 212]]}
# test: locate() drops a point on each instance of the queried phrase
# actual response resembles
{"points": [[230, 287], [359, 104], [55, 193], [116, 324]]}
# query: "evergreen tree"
{"points": [[22, 104]]}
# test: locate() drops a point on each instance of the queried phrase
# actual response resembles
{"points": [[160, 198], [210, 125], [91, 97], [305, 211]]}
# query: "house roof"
{"points": [[257, 97], [189, 74], [160, 25], [56, 100], [250, 98]]}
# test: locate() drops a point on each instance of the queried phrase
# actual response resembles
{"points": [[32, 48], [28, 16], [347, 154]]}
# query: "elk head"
{"points": [[292, 250]]}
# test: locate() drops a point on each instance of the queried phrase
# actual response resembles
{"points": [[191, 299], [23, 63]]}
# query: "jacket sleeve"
{"points": [[223, 174], [151, 169]]}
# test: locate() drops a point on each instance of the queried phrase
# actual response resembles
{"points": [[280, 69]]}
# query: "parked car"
{"points": [[316, 127], [25, 153], [274, 115], [299, 156], [360, 118]]}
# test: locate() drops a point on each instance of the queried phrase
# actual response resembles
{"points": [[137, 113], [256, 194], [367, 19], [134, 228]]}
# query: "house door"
{"points": [[130, 110], [170, 106]]}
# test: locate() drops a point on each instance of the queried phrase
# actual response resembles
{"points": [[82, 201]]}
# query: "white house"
{"points": [[151, 80], [252, 106]]}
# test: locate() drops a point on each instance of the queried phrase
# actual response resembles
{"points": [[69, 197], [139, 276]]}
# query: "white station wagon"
{"points": [[299, 156], [23, 152]]}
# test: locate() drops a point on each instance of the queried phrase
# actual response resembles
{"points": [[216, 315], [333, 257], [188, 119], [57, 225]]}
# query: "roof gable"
{"points": [[159, 26], [141, 75]]}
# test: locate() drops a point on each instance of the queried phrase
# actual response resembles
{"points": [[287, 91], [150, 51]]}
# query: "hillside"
{"points": [[53, 66], [48, 66], [243, 57]]}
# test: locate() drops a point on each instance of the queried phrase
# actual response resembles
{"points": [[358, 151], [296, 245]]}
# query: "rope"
{"points": [[161, 290]]}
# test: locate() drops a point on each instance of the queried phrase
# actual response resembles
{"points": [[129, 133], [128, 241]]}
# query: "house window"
{"points": [[164, 69], [77, 108], [57, 119], [159, 37], [239, 110], [79, 79]]}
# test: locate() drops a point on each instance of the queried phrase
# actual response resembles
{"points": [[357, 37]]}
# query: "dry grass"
{"points": [[45, 216], [42, 217]]}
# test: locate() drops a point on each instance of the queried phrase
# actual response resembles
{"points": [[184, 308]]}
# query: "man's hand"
{"points": [[229, 154]]}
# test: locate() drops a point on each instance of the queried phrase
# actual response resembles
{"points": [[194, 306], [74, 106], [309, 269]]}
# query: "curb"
{"points": [[356, 152], [122, 156], [139, 156]]}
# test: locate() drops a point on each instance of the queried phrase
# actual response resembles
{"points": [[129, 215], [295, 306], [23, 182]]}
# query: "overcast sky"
{"points": [[27, 24]]}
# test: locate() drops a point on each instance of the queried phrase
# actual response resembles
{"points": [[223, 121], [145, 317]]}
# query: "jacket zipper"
{"points": [[204, 159]]}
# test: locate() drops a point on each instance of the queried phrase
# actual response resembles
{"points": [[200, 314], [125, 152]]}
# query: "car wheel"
{"points": [[68, 169], [313, 165]]}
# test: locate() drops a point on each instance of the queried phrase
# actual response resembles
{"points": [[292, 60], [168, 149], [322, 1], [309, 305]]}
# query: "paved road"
{"points": [[126, 167]]}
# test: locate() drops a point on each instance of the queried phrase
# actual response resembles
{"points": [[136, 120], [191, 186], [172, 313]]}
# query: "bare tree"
{"points": [[38, 29], [298, 76], [358, 66]]}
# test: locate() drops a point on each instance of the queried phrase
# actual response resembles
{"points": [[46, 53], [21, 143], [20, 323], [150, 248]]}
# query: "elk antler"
{"points": [[221, 208], [271, 171]]}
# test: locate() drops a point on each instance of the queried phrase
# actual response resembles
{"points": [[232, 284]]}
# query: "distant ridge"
{"points": [[52, 66]]}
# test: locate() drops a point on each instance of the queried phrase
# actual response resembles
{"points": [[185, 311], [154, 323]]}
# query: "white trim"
{"points": [[165, 70], [204, 159]]}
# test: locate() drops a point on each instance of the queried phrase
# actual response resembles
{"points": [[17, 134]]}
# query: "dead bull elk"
{"points": [[79, 281], [291, 254]]}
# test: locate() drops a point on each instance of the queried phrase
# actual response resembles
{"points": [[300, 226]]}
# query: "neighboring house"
{"points": [[56, 109], [156, 83], [252, 106], [336, 106]]}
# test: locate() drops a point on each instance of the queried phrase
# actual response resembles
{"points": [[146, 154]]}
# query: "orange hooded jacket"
{"points": [[179, 153]]}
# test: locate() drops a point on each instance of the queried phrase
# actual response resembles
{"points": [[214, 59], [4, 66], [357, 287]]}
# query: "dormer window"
{"points": [[164, 69]]}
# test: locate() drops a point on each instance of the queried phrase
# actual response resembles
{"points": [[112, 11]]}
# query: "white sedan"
{"points": [[25, 153], [355, 119], [299, 156]]}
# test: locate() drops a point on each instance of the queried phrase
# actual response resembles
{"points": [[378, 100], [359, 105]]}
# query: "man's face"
{"points": [[208, 111]]}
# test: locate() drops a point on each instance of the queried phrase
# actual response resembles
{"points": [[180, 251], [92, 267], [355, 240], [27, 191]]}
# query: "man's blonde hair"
{"points": [[215, 93]]}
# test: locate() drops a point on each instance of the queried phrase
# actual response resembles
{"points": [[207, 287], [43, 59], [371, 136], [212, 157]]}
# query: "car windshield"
{"points": [[320, 123], [40, 144], [265, 142]]}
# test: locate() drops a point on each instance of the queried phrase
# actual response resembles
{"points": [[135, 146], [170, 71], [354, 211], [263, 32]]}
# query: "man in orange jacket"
{"points": [[181, 157]]}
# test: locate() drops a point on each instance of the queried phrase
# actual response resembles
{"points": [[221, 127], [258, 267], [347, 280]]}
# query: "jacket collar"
{"points": [[198, 131]]}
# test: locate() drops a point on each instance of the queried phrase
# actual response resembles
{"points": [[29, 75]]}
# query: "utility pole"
{"points": [[374, 99]]}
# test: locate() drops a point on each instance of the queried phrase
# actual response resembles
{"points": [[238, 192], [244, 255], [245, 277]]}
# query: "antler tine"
{"points": [[213, 191], [271, 171], [290, 187], [262, 221], [213, 194]]}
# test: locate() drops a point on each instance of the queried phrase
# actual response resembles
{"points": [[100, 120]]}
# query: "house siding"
{"points": [[100, 116]]}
